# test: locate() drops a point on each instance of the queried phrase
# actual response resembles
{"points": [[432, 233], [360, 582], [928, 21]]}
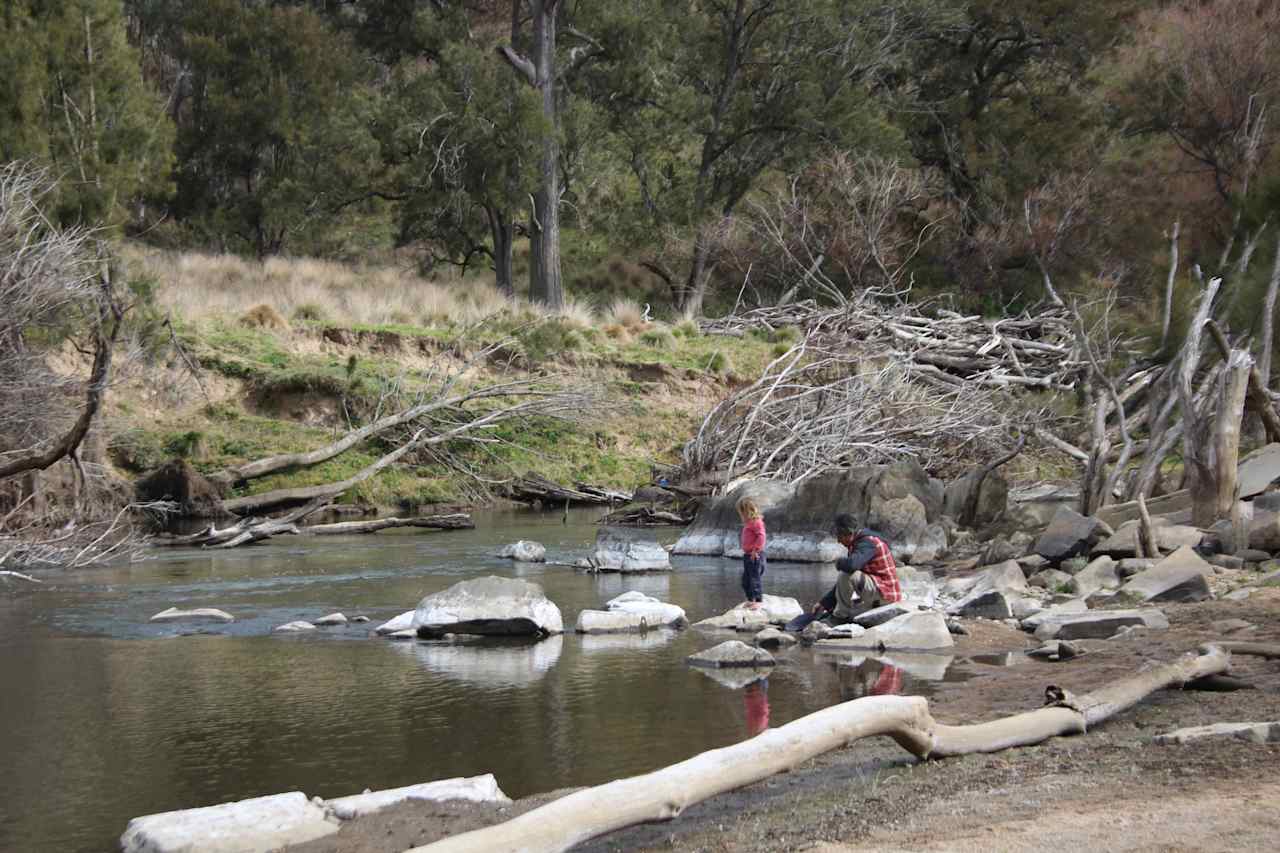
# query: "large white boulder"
{"points": [[610, 622], [200, 614], [922, 630], [1181, 576], [259, 825], [619, 550], [775, 610], [474, 789], [732, 653], [489, 606]]}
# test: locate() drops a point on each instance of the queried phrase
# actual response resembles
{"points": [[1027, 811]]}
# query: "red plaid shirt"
{"points": [[881, 568]]}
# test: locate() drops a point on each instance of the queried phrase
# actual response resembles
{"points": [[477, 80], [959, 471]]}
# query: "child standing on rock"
{"points": [[752, 553]]}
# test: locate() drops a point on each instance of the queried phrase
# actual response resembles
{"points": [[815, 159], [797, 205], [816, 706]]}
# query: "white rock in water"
{"points": [[627, 551], [655, 612], [200, 614], [294, 627], [525, 551], [489, 606], [405, 634], [732, 653], [259, 825], [403, 622], [475, 789], [359, 619], [332, 619], [611, 622], [924, 629]]}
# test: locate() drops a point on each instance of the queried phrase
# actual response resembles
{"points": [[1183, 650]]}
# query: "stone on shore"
{"points": [[332, 619], [883, 614], [1069, 534], [986, 605], [259, 825], [524, 551], [987, 591], [923, 630], [1169, 537], [475, 789], [293, 627], [1102, 573], [619, 550], [1182, 576], [1099, 624], [657, 613], [491, 606], [731, 653], [1066, 608], [1051, 579], [403, 622], [200, 614], [1254, 732]]}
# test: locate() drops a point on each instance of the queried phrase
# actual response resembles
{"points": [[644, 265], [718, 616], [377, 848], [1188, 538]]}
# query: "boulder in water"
{"points": [[732, 653], [332, 619], [525, 551], [656, 613], [489, 606], [258, 825], [403, 622], [200, 614], [294, 627], [619, 550]]}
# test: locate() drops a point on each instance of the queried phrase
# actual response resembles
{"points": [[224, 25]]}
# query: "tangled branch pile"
{"points": [[820, 406], [1037, 350]]}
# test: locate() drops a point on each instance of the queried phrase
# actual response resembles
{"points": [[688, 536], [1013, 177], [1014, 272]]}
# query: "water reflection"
{"points": [[597, 643], [756, 700], [921, 666], [496, 664], [870, 677], [734, 678]]}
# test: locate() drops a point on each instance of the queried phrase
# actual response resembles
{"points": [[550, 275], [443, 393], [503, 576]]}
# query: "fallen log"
{"points": [[454, 521], [664, 794], [645, 517], [536, 489]]}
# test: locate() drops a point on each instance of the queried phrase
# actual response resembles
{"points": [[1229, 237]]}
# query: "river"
{"points": [[105, 716]]}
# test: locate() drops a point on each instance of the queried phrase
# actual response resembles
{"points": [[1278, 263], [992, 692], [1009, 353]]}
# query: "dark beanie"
{"points": [[845, 525]]}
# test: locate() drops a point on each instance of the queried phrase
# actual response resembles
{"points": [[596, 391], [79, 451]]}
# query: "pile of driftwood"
{"points": [[1037, 350], [534, 489], [248, 530]]}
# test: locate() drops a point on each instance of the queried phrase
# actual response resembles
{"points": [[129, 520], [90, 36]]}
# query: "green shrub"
{"points": [[688, 329], [547, 339], [659, 339], [718, 362], [779, 350]]}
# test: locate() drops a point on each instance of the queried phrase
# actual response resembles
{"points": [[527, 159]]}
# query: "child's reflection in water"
{"points": [[756, 697]]}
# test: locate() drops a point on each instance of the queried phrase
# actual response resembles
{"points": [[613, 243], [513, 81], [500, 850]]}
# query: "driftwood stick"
{"points": [[1262, 650], [664, 794], [1146, 534], [20, 576]]}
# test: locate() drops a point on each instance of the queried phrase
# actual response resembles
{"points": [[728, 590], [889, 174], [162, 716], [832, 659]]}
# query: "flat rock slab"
{"points": [[1227, 626], [294, 627], [259, 825], [1182, 576], [525, 551], [986, 605], [1169, 537], [491, 606], [475, 789], [620, 550], [655, 612], [732, 653], [880, 615], [403, 622], [332, 619], [1101, 573], [1067, 608], [1255, 732], [200, 614], [753, 621], [923, 630], [1098, 624], [1257, 471]]}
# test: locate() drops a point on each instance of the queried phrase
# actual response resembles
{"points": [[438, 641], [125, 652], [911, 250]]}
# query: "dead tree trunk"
{"points": [[1168, 285], [664, 794]]}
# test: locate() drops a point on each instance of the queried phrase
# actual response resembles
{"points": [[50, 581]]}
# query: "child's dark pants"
{"points": [[752, 577]]}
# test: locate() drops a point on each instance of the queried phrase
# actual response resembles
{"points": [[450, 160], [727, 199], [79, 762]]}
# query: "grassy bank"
{"points": [[290, 354]]}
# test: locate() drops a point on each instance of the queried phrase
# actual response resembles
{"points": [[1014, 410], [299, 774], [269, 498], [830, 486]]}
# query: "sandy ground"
{"points": [[1111, 789]]}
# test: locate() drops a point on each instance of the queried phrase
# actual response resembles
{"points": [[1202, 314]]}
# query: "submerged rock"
{"points": [[525, 551], [491, 606], [332, 619], [772, 638], [200, 614], [731, 653], [259, 825], [293, 627]]}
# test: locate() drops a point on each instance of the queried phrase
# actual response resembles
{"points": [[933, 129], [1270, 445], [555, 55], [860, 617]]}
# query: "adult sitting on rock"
{"points": [[868, 577]]}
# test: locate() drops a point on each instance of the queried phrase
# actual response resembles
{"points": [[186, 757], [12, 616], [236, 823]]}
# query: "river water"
{"points": [[104, 716]]}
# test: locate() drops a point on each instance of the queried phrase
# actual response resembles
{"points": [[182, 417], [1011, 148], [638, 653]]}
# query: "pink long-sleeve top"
{"points": [[753, 537]]}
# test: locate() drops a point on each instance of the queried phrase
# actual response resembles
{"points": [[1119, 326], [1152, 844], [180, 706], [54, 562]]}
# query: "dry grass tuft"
{"points": [[627, 313], [617, 332], [264, 317]]}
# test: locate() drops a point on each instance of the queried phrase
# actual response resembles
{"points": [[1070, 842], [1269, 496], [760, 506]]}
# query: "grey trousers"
{"points": [[856, 593]]}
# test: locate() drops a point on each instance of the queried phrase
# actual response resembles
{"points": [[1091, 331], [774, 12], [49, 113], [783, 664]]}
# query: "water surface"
{"points": [[104, 716]]}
